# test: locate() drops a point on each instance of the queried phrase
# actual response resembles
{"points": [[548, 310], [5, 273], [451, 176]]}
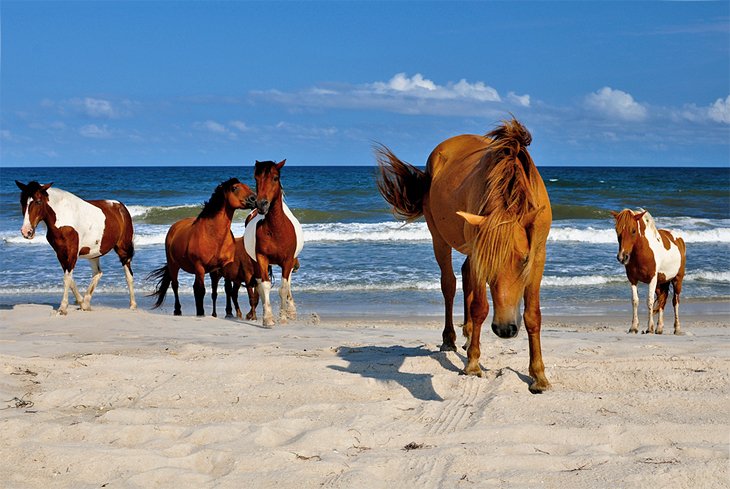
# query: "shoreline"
{"points": [[120, 398]]}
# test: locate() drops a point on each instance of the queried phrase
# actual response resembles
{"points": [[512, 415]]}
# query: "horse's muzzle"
{"points": [[27, 233], [623, 258], [505, 331], [250, 202], [263, 206]]}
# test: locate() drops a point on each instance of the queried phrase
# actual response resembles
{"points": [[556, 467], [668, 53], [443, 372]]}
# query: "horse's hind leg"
{"points": [[97, 273], [677, 286], [442, 252], [288, 307], [468, 297], [662, 292], [125, 255], [253, 301], [177, 311]]}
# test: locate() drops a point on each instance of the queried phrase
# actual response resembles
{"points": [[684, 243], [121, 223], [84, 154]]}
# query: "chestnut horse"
{"points": [[238, 273], [78, 228], [652, 256], [482, 196], [273, 237], [202, 244]]}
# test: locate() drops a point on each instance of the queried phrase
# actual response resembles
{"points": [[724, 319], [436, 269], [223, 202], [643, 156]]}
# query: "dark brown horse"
{"points": [[203, 244], [241, 272], [482, 196], [652, 256], [273, 237], [78, 228]]}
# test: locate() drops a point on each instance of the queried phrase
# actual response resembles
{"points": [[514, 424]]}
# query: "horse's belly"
{"points": [[670, 263]]}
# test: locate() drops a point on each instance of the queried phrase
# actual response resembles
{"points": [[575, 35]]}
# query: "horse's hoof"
{"points": [[229, 315], [477, 372], [62, 312], [540, 386], [177, 313], [268, 322], [133, 307], [446, 347], [632, 330]]}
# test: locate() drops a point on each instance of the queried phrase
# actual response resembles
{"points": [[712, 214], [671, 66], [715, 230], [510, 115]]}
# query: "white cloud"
{"points": [[720, 110], [212, 126], [523, 100], [96, 108], [94, 131], [616, 104], [240, 125], [418, 86]]}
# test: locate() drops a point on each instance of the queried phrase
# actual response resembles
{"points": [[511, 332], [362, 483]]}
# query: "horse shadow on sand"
{"points": [[384, 363]]}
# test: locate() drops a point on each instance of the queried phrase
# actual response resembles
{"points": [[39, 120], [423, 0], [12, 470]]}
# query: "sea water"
{"points": [[358, 260]]}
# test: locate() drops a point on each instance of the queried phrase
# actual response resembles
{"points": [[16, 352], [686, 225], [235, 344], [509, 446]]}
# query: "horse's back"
{"points": [[118, 227], [451, 167], [84, 217]]}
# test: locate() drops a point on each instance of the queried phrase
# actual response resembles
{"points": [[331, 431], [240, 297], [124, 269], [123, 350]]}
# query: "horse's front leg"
{"points": [[650, 305], [68, 283], [478, 310], [228, 287], [253, 301], [442, 252], [199, 291], [288, 307], [635, 308], [96, 276], [533, 324], [215, 277], [264, 285]]}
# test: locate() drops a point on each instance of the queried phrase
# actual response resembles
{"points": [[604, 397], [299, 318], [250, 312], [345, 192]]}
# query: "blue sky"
{"points": [[225, 83]]}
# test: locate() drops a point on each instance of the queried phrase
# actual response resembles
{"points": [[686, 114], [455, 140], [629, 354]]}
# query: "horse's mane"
{"points": [[507, 196], [625, 219], [217, 199]]}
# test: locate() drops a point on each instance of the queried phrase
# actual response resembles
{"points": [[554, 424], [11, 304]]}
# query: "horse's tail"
{"points": [[162, 275], [401, 184]]}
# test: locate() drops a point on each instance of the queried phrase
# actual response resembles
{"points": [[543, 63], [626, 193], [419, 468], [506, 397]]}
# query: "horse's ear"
{"points": [[638, 216], [280, 164], [614, 214], [529, 218], [46, 186], [21, 186], [472, 219]]}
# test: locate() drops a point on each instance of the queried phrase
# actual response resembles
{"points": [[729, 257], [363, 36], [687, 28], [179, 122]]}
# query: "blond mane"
{"points": [[507, 196]]}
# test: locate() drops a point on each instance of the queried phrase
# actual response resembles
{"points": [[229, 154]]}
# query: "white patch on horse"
{"points": [[297, 229], [87, 219], [668, 261], [249, 236]]}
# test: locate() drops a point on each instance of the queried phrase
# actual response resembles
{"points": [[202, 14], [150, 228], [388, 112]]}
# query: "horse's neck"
{"points": [[651, 231], [66, 207], [220, 223]]}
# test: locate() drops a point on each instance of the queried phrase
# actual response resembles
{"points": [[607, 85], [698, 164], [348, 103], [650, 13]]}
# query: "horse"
{"points": [[203, 244], [651, 256], [273, 237], [481, 196], [238, 273], [78, 228]]}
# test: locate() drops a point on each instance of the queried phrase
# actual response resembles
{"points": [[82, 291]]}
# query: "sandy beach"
{"points": [[119, 398]]}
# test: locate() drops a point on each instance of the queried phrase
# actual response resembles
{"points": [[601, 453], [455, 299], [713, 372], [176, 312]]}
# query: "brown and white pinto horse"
{"points": [[202, 244], [492, 183], [78, 228], [273, 237], [652, 256]]}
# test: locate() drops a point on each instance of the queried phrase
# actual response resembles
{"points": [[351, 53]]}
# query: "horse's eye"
{"points": [[276, 179], [633, 231]]}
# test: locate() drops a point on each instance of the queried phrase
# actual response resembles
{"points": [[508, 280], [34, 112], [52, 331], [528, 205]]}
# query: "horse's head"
{"points": [[239, 195], [34, 206], [502, 256], [268, 184], [629, 228]]}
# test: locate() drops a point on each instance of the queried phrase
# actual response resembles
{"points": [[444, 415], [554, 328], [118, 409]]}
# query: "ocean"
{"points": [[358, 260]]}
